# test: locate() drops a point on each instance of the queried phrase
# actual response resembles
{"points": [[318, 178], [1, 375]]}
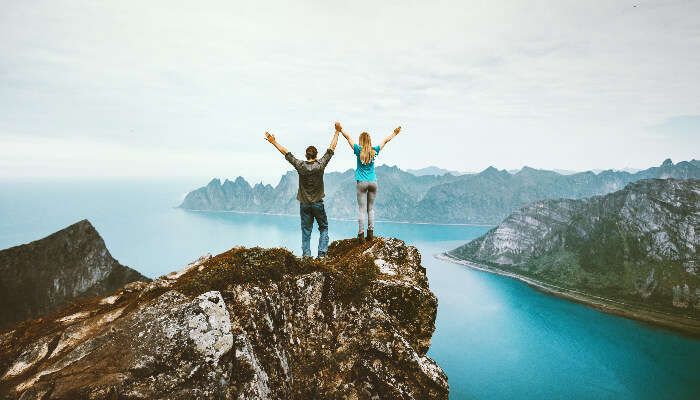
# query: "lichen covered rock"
{"points": [[246, 324]]}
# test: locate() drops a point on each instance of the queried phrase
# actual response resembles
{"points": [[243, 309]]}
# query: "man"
{"points": [[310, 193]]}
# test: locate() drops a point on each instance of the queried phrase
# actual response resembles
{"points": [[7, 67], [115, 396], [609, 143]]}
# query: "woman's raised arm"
{"points": [[393, 135], [339, 128]]}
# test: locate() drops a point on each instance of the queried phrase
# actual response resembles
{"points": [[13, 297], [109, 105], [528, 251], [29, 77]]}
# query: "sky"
{"points": [[170, 89]]}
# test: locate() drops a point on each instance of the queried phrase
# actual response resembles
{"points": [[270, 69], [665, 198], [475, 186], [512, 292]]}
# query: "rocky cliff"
{"points": [[246, 324], [638, 245], [484, 198], [39, 277]]}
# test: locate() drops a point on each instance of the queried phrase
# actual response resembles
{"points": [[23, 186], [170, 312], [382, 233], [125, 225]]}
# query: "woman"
{"points": [[366, 178]]}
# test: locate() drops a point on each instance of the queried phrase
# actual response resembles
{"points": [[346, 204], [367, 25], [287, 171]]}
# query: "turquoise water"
{"points": [[496, 338]]}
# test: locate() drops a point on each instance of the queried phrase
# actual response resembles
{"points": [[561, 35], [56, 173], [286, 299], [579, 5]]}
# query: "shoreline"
{"points": [[330, 218], [685, 326]]}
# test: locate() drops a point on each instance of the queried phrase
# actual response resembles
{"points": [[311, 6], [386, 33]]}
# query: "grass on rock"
{"points": [[349, 269]]}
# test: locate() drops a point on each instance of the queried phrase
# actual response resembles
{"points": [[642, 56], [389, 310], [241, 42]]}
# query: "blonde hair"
{"points": [[367, 153]]}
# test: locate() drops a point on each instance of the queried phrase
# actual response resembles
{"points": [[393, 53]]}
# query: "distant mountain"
{"points": [[595, 171], [484, 198], [638, 245], [399, 192], [39, 277], [490, 196], [630, 170], [565, 171], [558, 171], [433, 170]]}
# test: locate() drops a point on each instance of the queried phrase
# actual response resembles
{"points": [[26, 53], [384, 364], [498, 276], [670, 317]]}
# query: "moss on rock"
{"points": [[350, 273]]}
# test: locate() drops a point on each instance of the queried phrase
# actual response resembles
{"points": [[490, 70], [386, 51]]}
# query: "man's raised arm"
{"points": [[271, 138], [331, 149], [334, 141], [296, 163]]}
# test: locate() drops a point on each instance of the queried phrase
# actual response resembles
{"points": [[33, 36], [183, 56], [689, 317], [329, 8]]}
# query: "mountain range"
{"points": [[483, 198], [638, 246], [433, 170]]}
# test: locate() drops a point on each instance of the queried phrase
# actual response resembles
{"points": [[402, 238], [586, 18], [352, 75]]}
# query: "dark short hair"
{"points": [[311, 152]]}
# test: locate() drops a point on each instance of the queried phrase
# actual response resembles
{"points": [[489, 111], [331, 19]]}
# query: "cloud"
{"points": [[484, 84], [685, 128]]}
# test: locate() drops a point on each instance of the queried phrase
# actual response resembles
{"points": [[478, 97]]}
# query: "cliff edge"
{"points": [[247, 323]]}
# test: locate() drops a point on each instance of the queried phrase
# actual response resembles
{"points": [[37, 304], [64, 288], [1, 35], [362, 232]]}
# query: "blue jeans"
{"points": [[308, 212]]}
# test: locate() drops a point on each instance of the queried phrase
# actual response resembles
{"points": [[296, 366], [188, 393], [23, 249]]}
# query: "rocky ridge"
{"points": [[638, 245], [248, 323], [39, 277]]}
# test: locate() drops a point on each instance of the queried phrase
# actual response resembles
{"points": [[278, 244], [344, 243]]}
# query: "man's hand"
{"points": [[338, 128], [271, 138], [397, 130]]}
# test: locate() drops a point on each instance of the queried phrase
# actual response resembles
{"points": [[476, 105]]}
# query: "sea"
{"points": [[495, 337]]}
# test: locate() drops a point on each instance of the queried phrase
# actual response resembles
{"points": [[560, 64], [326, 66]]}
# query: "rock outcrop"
{"points": [[39, 277], [484, 198], [245, 324], [638, 245]]}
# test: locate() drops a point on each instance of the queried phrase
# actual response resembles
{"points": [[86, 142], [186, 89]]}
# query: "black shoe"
{"points": [[321, 255], [361, 237], [370, 234]]}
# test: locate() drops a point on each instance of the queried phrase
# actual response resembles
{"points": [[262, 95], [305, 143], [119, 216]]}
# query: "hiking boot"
{"points": [[361, 237], [321, 255], [370, 234]]}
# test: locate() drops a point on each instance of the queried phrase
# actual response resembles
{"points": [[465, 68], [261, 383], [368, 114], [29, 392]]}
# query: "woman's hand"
{"points": [[269, 137], [339, 128], [388, 138]]}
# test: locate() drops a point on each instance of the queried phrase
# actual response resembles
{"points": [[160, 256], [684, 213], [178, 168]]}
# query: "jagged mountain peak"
{"points": [[261, 185], [83, 223], [82, 227], [214, 182], [490, 170], [529, 171]]}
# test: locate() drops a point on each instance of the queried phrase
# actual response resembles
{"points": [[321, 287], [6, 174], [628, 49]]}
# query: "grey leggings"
{"points": [[366, 193]]}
